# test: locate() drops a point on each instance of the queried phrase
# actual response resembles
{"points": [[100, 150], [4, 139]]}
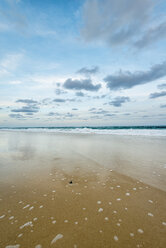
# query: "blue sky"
{"points": [[74, 63]]}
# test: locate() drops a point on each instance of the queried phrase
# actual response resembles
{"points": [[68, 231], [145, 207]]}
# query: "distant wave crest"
{"points": [[126, 130]]}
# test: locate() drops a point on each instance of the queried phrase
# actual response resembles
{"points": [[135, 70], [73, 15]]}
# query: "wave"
{"points": [[114, 130]]}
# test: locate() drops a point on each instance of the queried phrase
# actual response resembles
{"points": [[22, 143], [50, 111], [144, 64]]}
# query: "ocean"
{"points": [[109, 130]]}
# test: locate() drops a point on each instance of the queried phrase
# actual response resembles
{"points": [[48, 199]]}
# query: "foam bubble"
{"points": [[12, 246], [116, 238], [150, 214], [2, 216], [29, 223], [140, 231], [57, 237]]}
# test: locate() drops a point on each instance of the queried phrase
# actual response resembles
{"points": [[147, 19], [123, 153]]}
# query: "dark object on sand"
{"points": [[70, 182]]}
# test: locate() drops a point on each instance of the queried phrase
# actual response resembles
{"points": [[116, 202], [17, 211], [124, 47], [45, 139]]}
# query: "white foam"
{"points": [[116, 238], [140, 231], [29, 223], [11, 217], [57, 237], [19, 235], [26, 206], [12, 246], [2, 216], [132, 132], [150, 214]]}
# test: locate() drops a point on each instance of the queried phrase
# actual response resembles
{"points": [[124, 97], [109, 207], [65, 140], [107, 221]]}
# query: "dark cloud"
{"points": [[80, 94], [69, 115], [74, 108], [46, 101], [16, 116], [157, 94], [100, 112], [92, 109], [163, 106], [119, 100], [59, 100], [127, 80], [60, 92], [85, 71], [109, 115], [162, 86], [27, 101], [121, 22], [99, 97], [152, 35], [26, 109], [82, 84], [54, 114], [31, 107]]}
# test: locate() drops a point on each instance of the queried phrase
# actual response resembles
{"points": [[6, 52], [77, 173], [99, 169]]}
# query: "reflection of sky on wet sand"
{"points": [[139, 157], [64, 191]]}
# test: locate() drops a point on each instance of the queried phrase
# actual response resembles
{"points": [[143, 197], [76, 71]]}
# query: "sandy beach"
{"points": [[72, 190]]}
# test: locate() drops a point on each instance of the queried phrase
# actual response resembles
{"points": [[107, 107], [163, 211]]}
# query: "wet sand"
{"points": [[40, 207]]}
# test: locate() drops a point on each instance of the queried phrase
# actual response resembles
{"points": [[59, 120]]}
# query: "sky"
{"points": [[82, 62]]}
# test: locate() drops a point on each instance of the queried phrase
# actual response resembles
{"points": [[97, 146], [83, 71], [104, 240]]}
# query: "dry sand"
{"points": [[40, 208]]}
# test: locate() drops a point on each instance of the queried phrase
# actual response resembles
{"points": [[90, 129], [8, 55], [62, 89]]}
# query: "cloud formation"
{"points": [[119, 100], [87, 71], [16, 116], [80, 94], [158, 94], [27, 101], [60, 92], [121, 22], [29, 110], [163, 106], [30, 107], [127, 79], [162, 86], [152, 35], [59, 100], [81, 84]]}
